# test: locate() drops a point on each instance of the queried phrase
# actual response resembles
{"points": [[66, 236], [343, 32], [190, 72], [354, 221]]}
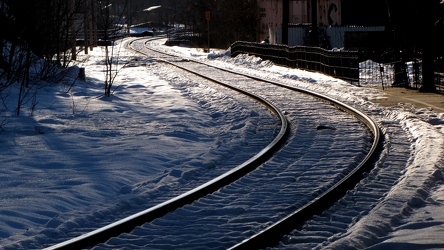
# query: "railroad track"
{"points": [[223, 204]]}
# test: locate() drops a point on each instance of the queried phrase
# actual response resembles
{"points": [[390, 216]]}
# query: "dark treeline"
{"points": [[49, 29]]}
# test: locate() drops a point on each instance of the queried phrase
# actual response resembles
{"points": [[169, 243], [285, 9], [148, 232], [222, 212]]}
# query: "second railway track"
{"points": [[261, 205]]}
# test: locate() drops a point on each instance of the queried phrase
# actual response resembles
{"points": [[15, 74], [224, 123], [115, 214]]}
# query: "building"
{"points": [[299, 17]]}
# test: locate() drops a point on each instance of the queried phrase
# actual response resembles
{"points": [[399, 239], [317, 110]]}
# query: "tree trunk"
{"points": [[428, 79]]}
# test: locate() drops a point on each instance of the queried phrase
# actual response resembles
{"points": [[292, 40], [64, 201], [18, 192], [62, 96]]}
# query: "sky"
{"points": [[72, 151]]}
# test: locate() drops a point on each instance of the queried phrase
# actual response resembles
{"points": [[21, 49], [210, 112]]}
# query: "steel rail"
{"points": [[129, 223]]}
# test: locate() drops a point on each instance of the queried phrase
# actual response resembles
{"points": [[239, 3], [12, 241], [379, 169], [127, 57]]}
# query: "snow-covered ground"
{"points": [[73, 154]]}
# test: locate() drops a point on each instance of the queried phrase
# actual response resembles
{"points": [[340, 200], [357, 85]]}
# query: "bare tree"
{"points": [[110, 21]]}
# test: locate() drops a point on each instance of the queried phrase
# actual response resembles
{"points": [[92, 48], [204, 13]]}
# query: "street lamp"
{"points": [[152, 8]]}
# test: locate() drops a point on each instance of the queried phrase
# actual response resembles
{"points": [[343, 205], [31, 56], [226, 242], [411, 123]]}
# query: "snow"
{"points": [[74, 155]]}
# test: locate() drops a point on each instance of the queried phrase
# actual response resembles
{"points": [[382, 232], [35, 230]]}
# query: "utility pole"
{"points": [[128, 17], [208, 17], [90, 25], [94, 17], [85, 26], [429, 33], [428, 56], [314, 38], [73, 34]]}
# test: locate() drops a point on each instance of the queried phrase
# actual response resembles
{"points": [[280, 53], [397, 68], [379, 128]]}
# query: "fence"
{"points": [[397, 74], [340, 64], [439, 81], [378, 73]]}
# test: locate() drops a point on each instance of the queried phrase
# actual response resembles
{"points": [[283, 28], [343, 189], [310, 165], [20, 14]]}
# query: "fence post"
{"points": [[82, 75]]}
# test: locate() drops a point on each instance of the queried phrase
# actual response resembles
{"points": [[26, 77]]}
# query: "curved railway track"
{"points": [[284, 163]]}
